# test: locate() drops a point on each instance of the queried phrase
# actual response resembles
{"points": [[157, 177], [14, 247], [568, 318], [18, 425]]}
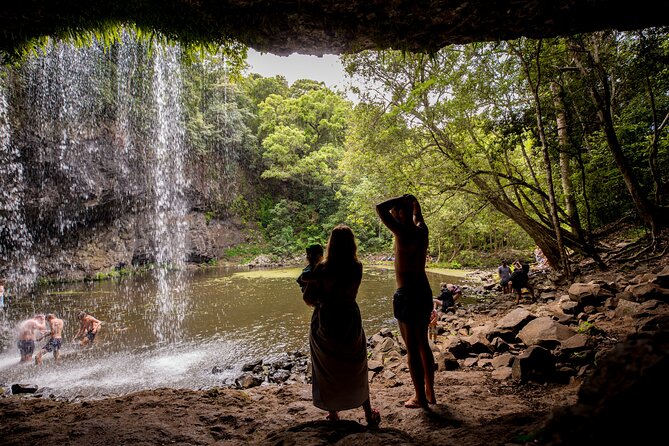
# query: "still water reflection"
{"points": [[214, 317]]}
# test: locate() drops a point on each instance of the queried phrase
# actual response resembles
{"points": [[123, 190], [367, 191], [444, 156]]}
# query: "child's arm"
{"points": [[309, 294]]}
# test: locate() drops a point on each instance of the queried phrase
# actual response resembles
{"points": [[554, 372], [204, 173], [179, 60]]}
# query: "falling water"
{"points": [[58, 104], [95, 138], [126, 66], [16, 269], [101, 130], [18, 265], [169, 184]]}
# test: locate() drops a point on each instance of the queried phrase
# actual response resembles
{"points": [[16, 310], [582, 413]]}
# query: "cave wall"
{"points": [[320, 27]]}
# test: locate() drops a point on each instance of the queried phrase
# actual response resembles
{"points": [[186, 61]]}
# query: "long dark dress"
{"points": [[337, 341]]}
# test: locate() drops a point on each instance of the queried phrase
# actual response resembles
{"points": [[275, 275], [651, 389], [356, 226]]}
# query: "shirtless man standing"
{"points": [[27, 336], [412, 301], [88, 328], [55, 339]]}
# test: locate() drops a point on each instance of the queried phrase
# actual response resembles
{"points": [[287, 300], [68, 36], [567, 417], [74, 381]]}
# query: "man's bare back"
{"points": [[28, 329], [91, 324], [55, 341], [88, 328], [56, 328]]}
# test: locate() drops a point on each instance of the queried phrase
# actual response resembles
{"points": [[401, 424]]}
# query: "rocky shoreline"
{"points": [[572, 368]]}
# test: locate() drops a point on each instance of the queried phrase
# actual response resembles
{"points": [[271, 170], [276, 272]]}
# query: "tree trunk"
{"points": [[565, 161], [602, 101], [555, 219]]}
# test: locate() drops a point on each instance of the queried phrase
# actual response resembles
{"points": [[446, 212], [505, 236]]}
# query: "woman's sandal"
{"points": [[332, 416], [374, 419]]}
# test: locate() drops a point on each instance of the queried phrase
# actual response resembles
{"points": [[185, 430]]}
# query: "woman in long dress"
{"points": [[337, 340]]}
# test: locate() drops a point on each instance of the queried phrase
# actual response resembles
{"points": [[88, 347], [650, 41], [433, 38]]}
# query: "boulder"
{"points": [[545, 331]]}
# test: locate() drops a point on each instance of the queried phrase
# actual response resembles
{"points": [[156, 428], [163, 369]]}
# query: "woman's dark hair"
{"points": [[341, 248]]}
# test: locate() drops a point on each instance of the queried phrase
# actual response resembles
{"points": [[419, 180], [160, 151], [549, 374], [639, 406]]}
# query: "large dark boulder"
{"points": [[621, 402]]}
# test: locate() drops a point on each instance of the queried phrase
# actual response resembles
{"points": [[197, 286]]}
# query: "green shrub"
{"points": [[588, 328], [243, 252]]}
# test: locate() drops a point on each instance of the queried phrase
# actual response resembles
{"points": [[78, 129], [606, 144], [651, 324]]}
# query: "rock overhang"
{"points": [[330, 27]]}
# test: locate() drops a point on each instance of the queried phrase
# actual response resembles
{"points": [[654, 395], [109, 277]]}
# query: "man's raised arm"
{"points": [[383, 210], [417, 214]]}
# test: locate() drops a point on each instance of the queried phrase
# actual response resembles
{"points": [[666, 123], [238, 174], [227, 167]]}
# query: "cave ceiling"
{"points": [[330, 27]]}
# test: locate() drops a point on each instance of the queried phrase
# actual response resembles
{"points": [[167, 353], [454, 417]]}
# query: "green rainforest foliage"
{"points": [[507, 145]]}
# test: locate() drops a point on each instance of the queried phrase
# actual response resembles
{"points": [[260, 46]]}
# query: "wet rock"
{"points": [[279, 376], [24, 388], [247, 380], [251, 366]]}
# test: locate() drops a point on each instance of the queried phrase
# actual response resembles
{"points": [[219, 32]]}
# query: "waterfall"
{"points": [[169, 184], [17, 264], [169, 181], [99, 136]]}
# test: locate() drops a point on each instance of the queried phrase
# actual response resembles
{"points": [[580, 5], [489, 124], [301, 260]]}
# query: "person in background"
{"points": [[449, 295], [542, 261], [520, 279], [27, 331], [88, 328], [412, 301], [504, 272], [337, 339], [314, 256], [55, 339], [433, 328], [2, 293]]}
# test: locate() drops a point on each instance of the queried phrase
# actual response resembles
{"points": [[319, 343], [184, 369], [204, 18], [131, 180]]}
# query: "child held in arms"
{"points": [[314, 256]]}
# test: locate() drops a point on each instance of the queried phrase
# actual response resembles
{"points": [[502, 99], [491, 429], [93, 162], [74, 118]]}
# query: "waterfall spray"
{"points": [[99, 145], [169, 184], [17, 265]]}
